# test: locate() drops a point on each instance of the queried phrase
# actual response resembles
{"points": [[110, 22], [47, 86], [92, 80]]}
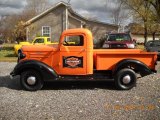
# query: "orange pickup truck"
{"points": [[79, 61]]}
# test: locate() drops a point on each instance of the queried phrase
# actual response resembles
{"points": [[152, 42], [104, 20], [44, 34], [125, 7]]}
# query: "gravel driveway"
{"points": [[78, 100]]}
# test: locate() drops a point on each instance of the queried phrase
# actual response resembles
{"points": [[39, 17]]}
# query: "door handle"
{"points": [[82, 50]]}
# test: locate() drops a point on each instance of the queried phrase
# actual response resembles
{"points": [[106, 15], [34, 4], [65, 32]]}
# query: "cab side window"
{"points": [[39, 41], [74, 40], [48, 40]]}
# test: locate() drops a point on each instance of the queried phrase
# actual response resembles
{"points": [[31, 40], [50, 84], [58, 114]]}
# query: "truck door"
{"points": [[73, 55]]}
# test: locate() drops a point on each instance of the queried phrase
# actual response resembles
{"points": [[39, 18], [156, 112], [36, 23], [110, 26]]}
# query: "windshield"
{"points": [[153, 43], [119, 37]]}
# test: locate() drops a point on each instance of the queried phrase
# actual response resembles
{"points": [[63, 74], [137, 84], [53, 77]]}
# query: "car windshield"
{"points": [[119, 37], [153, 43]]}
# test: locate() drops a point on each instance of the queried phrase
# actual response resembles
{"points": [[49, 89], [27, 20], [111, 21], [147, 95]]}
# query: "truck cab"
{"points": [[75, 59]]}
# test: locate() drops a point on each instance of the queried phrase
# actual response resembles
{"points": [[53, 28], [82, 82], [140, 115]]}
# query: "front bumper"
{"points": [[154, 71], [12, 75]]}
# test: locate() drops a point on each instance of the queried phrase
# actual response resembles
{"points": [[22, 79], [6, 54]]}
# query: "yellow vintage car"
{"points": [[36, 41]]}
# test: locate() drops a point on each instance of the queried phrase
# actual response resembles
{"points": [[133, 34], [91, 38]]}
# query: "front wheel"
{"points": [[31, 80], [125, 79]]}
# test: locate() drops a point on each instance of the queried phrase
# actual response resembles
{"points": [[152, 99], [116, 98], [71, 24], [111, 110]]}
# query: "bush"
{"points": [[7, 50]]}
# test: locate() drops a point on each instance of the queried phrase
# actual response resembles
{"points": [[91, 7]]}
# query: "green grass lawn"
{"points": [[7, 53], [140, 47]]}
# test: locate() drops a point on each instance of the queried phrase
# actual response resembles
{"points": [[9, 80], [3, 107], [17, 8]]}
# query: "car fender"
{"points": [[138, 66], [46, 71]]}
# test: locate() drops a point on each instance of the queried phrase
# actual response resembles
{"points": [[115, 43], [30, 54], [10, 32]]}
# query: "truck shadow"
{"points": [[7, 82], [14, 84], [76, 85]]}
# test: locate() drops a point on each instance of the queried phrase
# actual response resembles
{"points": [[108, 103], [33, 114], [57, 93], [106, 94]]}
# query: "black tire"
{"points": [[125, 79], [34, 86]]}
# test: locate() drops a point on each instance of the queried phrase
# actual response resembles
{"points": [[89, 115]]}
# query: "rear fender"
{"points": [[46, 71], [138, 66]]}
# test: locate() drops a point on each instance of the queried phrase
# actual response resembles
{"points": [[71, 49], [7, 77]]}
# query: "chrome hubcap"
{"points": [[126, 79], [31, 80]]}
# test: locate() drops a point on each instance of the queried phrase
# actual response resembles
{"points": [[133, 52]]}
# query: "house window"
{"points": [[46, 31]]}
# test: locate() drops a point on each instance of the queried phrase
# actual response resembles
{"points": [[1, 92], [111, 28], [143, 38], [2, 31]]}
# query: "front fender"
{"points": [[138, 66], [46, 71]]}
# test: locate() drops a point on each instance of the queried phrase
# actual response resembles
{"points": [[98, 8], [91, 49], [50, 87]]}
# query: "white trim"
{"points": [[66, 18], [81, 24], [27, 34]]}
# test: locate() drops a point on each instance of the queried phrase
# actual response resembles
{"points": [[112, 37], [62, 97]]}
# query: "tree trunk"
{"points": [[145, 31], [145, 35], [153, 35]]}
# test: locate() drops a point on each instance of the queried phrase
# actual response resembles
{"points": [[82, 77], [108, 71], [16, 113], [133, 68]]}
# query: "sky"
{"points": [[88, 8], [8, 7]]}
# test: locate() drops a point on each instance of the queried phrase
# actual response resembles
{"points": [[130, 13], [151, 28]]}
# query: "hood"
{"points": [[24, 43], [40, 48]]}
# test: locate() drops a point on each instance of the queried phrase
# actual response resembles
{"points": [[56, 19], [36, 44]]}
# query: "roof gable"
{"points": [[45, 12], [61, 3]]}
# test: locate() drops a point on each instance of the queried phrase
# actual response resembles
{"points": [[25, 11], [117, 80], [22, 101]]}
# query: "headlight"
{"points": [[105, 46], [130, 45]]}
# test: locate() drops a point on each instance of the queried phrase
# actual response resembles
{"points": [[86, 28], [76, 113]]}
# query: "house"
{"points": [[60, 17], [139, 37]]}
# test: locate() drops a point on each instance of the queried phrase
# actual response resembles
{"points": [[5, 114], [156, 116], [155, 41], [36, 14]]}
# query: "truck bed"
{"points": [[106, 59]]}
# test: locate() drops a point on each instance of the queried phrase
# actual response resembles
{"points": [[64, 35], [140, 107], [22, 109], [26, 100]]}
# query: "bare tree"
{"points": [[35, 7], [7, 26], [118, 13], [12, 26]]}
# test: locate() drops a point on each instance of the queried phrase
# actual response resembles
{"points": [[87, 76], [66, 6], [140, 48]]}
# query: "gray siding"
{"points": [[54, 19], [73, 23], [99, 30]]}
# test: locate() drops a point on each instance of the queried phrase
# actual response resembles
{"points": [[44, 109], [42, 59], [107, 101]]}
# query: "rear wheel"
{"points": [[31, 80], [125, 79]]}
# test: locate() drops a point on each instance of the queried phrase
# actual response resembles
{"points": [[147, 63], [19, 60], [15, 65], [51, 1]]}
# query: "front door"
{"points": [[73, 55]]}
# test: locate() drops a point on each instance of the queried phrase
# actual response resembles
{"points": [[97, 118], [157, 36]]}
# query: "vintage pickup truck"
{"points": [[79, 61]]}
